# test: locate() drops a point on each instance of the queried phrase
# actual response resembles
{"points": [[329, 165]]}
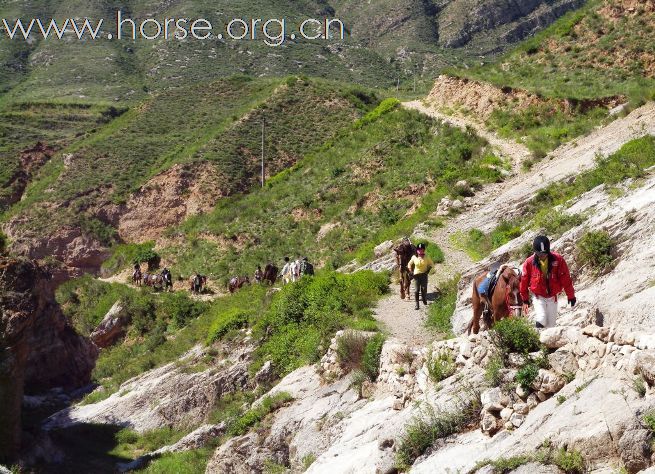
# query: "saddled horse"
{"points": [[198, 283], [237, 282], [137, 277], [505, 301], [153, 280], [270, 273], [404, 253]]}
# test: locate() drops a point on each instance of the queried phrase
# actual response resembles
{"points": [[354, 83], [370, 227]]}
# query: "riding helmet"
{"points": [[541, 244], [420, 246]]}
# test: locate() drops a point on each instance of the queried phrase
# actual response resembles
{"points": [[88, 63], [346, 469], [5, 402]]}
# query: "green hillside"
{"points": [[604, 49], [373, 181], [217, 123]]}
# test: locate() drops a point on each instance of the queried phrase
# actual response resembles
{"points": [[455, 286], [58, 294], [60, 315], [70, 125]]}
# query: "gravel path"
{"points": [[497, 201], [401, 321]]}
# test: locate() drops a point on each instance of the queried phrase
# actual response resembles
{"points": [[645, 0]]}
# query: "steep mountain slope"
{"points": [[377, 33], [382, 175], [602, 50], [212, 132]]}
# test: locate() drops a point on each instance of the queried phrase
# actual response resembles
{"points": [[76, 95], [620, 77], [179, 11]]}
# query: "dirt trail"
{"points": [[402, 321], [125, 277], [498, 201]]}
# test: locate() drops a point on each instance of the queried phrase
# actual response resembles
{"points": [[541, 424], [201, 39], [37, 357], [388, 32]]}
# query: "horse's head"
{"points": [[512, 293]]}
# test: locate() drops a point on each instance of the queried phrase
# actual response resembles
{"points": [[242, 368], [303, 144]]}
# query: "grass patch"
{"points": [[304, 316], [571, 462], [186, 462], [424, 430], [441, 310], [595, 249], [257, 413], [440, 366], [479, 245]]}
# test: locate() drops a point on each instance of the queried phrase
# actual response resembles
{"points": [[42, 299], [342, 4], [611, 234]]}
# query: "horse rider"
{"points": [[419, 266], [545, 275], [306, 268], [286, 271], [167, 277], [259, 274]]}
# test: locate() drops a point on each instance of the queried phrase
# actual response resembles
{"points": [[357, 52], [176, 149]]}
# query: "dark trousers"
{"points": [[421, 282]]}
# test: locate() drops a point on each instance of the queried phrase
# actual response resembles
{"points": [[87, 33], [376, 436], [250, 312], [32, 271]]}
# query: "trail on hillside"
{"points": [[401, 321], [515, 152], [498, 201]]}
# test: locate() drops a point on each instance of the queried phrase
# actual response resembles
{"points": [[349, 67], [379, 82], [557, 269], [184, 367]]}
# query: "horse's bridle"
{"points": [[513, 309]]}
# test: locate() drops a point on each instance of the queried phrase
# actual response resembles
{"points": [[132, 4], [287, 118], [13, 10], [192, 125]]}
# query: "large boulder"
{"points": [[112, 327]]}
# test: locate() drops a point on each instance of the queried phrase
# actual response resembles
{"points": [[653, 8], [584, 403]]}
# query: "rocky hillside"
{"points": [[106, 187]]}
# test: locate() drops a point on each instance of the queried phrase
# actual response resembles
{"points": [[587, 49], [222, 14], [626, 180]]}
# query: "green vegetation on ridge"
{"points": [[371, 183], [601, 50]]}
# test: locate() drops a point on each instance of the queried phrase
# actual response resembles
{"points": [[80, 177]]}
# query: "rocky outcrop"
{"points": [[172, 196], [465, 97], [38, 348], [78, 251], [168, 396], [112, 327], [31, 160]]}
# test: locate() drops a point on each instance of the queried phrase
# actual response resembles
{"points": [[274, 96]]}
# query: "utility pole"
{"points": [[263, 126]]}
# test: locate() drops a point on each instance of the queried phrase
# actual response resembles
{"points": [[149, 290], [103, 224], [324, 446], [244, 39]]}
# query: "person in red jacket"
{"points": [[545, 275]]}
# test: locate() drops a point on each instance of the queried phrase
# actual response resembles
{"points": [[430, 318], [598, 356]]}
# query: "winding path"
{"points": [[399, 317]]}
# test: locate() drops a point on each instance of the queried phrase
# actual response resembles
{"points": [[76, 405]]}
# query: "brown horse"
{"points": [[505, 302], [270, 273], [237, 282], [137, 277], [153, 280], [404, 253], [198, 283]]}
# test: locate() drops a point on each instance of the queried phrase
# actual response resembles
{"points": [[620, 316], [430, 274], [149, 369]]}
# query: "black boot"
{"points": [[416, 297]]}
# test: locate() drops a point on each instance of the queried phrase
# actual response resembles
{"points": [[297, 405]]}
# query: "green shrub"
{"points": [[527, 374], [570, 462], [440, 366], [595, 248], [371, 356], [515, 335], [649, 419], [386, 106], [258, 412], [423, 430], [303, 317], [443, 307], [224, 322], [350, 350], [181, 308], [125, 255]]}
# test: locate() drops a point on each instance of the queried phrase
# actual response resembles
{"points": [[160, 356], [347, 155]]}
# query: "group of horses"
{"points": [[269, 275], [153, 280], [504, 302]]}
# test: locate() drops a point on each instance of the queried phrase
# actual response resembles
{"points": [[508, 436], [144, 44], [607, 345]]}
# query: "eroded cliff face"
{"points": [[38, 347]]}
